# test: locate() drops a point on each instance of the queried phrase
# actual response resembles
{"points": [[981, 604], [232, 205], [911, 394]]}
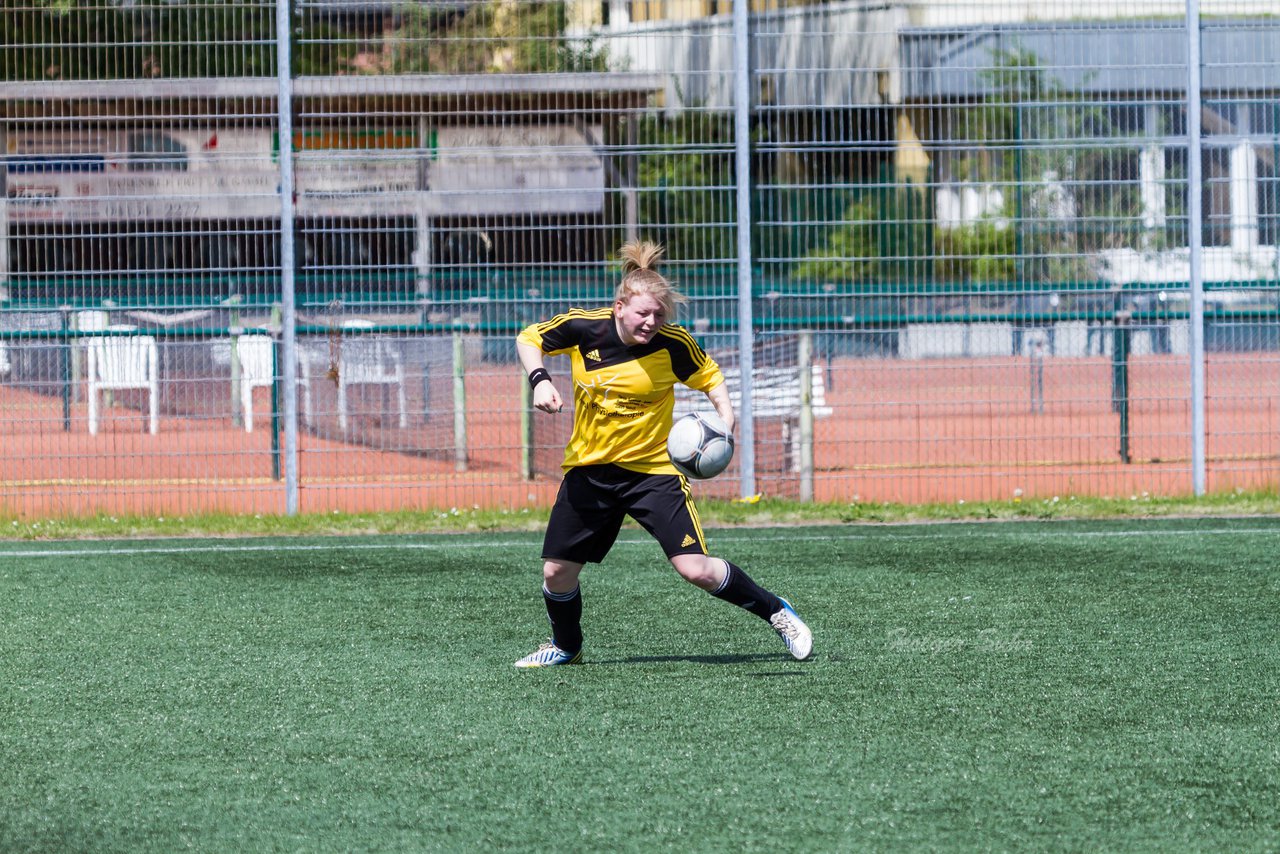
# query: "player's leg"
{"points": [[563, 599], [727, 581], [738, 588], [668, 512], [582, 528]]}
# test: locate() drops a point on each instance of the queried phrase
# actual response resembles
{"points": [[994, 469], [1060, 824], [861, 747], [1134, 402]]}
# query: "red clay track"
{"points": [[903, 431]]}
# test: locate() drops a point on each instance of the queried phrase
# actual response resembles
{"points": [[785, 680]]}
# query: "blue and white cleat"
{"points": [[549, 655], [794, 633]]}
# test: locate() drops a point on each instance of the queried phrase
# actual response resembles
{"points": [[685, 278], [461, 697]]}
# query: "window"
{"points": [[149, 152]]}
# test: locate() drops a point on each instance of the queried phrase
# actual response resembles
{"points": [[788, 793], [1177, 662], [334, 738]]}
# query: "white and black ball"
{"points": [[700, 445]]}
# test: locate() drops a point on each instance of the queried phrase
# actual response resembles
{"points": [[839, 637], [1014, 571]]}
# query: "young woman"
{"points": [[627, 359]]}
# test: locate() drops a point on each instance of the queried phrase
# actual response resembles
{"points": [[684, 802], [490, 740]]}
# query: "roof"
{"points": [[247, 99], [1092, 57]]}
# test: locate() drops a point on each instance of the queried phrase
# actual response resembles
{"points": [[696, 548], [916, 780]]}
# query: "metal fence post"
{"points": [[1036, 357], [1120, 379], [526, 431], [288, 299], [459, 403], [69, 342], [804, 360], [275, 407], [1195, 238], [742, 178], [233, 392]]}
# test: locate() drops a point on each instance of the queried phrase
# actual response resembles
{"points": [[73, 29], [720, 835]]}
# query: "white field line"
{"points": [[447, 542]]}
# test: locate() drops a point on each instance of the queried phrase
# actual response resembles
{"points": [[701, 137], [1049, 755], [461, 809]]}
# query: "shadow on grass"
{"points": [[691, 659]]}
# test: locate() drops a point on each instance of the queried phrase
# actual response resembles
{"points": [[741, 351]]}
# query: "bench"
{"points": [[775, 392]]}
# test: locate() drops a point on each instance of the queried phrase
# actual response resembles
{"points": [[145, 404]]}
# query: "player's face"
{"points": [[638, 319]]}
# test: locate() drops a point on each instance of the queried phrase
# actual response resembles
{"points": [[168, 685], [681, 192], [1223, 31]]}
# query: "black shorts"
{"points": [[593, 501]]}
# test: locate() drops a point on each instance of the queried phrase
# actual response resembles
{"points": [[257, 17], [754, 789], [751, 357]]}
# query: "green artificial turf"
{"points": [[1053, 686]]}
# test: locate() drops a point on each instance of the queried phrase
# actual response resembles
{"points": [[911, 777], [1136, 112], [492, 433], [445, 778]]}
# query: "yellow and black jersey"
{"points": [[623, 397]]}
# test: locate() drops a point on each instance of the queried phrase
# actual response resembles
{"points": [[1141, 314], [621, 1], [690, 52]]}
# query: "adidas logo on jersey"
{"points": [[593, 355], [687, 541]]}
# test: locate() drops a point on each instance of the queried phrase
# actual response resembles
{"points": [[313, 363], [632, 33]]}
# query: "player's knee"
{"points": [[699, 570], [559, 576]]}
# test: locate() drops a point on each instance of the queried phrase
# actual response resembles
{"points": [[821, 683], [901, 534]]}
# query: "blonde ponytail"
{"points": [[640, 276], [640, 255]]}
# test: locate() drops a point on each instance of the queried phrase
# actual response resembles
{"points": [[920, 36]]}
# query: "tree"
{"points": [[494, 36], [687, 184], [82, 40], [1068, 191]]}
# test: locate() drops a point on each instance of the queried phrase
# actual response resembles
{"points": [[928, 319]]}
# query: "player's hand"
{"points": [[547, 398]]}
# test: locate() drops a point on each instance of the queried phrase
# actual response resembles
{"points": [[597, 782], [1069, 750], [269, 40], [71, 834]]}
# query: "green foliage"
{"points": [[538, 44], [688, 188], [417, 47], [81, 40], [487, 37], [884, 237], [851, 252], [326, 49], [982, 252], [1061, 200], [234, 40]]}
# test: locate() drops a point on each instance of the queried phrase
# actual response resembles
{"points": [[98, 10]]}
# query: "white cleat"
{"points": [[549, 655], [794, 633]]}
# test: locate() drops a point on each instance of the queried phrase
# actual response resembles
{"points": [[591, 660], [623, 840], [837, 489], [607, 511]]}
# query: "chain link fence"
{"points": [[944, 251]]}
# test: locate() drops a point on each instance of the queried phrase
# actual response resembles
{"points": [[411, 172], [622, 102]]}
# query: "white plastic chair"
{"points": [[308, 364], [256, 354], [369, 360], [123, 362], [86, 320], [91, 320]]}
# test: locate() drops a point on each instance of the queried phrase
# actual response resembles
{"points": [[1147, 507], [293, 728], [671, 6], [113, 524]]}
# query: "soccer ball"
{"points": [[700, 445]]}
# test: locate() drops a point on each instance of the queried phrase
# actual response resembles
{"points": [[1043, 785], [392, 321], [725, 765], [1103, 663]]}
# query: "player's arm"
{"points": [[719, 397], [545, 395]]}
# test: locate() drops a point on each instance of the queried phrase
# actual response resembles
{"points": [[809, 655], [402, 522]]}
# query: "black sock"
{"points": [[739, 589], [565, 612]]}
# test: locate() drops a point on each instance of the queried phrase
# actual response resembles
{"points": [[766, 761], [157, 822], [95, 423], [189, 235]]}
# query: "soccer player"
{"points": [[627, 359]]}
